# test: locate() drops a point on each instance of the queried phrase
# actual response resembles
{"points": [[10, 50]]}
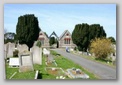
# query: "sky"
{"points": [[61, 17]]}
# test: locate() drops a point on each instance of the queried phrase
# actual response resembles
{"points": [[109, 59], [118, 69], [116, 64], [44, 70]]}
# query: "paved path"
{"points": [[103, 71]]}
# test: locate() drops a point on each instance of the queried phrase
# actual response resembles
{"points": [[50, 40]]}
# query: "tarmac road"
{"points": [[103, 71]]}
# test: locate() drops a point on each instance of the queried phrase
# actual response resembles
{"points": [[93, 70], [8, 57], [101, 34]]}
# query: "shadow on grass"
{"points": [[40, 75]]}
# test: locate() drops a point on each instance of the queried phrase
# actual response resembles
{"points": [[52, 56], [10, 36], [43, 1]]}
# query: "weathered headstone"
{"points": [[46, 52], [35, 43], [22, 48], [9, 49], [37, 55], [5, 51], [14, 62], [25, 62]]}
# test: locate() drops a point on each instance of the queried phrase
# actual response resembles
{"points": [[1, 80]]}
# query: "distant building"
{"points": [[65, 40], [44, 39]]}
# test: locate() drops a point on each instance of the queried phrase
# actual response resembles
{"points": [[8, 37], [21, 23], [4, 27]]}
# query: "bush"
{"points": [[15, 53], [76, 49], [38, 43], [101, 47]]}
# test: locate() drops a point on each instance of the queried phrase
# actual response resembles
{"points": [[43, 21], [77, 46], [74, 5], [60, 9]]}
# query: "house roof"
{"points": [[43, 33], [53, 33], [66, 31]]}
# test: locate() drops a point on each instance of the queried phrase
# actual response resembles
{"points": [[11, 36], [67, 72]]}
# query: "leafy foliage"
{"points": [[101, 47], [27, 29], [84, 33], [38, 43], [96, 31], [112, 40], [9, 37], [52, 41]]}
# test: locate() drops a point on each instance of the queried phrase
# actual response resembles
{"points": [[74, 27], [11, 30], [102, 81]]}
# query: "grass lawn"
{"points": [[29, 75], [65, 63], [93, 59], [43, 74], [62, 62], [18, 75]]}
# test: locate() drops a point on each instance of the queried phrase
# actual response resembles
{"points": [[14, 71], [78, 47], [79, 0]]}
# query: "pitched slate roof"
{"points": [[43, 33], [53, 33], [66, 31]]}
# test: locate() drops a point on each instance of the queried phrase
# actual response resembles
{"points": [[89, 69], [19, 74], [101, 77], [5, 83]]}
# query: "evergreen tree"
{"points": [[52, 41], [27, 29], [9, 37], [84, 33], [112, 40], [96, 31]]}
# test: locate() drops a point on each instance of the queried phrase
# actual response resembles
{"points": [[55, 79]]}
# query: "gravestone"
{"points": [[14, 62], [5, 51], [35, 43], [76, 73], [10, 47], [46, 52], [37, 55], [25, 62], [22, 48]]}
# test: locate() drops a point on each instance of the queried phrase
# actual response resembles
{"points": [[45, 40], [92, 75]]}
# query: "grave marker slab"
{"points": [[25, 62], [46, 52], [9, 49], [5, 51], [22, 48], [76, 73], [14, 62], [37, 55]]}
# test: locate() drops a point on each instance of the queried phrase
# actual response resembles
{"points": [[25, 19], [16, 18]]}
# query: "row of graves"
{"points": [[26, 59], [53, 69]]}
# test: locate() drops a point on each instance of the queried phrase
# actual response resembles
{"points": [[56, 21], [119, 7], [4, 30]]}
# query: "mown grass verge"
{"points": [[62, 62], [65, 63], [18, 75], [28, 75], [96, 60]]}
